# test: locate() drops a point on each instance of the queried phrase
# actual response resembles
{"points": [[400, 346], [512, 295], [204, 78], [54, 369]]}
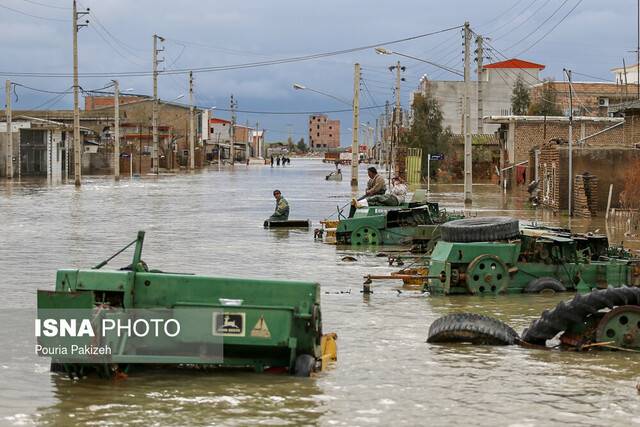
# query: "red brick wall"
{"points": [[586, 96], [532, 134], [93, 102]]}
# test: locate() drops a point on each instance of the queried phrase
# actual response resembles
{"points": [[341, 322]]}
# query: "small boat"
{"points": [[334, 176], [290, 223]]}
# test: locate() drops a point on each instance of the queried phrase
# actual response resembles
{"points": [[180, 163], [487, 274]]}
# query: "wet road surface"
{"points": [[211, 223]]}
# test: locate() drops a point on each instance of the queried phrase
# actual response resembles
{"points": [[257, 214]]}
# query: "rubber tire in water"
{"points": [[542, 284], [576, 310], [304, 366], [471, 328], [480, 229]]}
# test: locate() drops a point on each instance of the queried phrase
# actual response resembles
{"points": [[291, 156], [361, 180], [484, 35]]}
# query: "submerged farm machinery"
{"points": [[601, 319], [218, 322], [483, 256]]}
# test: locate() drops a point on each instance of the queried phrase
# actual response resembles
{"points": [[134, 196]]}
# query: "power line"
{"points": [[552, 28], [47, 5], [31, 15], [233, 66], [297, 112], [539, 26]]}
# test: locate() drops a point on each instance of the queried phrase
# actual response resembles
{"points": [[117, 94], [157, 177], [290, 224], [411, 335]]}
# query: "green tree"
{"points": [[301, 146], [426, 131], [520, 98], [547, 103]]}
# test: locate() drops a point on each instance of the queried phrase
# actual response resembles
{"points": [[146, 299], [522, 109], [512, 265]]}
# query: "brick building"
{"points": [[521, 136], [594, 170], [589, 98], [323, 133], [631, 113], [94, 102]]}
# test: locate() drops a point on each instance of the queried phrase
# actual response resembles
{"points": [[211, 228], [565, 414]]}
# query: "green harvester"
{"points": [[275, 324]]}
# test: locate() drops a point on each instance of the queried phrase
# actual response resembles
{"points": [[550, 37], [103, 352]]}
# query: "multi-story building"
{"points": [[324, 134], [496, 81]]}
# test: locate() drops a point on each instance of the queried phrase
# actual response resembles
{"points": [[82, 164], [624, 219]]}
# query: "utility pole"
{"points": [[77, 145], [155, 157], [259, 147], [192, 126], [232, 151], [356, 129], [468, 177], [387, 148], [116, 126], [479, 59], [568, 73], [397, 118], [9, 165]]}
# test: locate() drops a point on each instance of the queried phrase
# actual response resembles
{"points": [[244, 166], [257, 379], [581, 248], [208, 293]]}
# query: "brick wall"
{"points": [[587, 96], [610, 165], [93, 102], [632, 128], [532, 134]]}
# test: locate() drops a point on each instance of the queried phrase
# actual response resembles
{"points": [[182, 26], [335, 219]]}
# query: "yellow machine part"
{"points": [[329, 349]]}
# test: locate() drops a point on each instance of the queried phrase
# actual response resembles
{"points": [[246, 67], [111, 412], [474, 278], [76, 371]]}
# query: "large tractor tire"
{"points": [[480, 229], [304, 366], [471, 328], [544, 285], [569, 313]]}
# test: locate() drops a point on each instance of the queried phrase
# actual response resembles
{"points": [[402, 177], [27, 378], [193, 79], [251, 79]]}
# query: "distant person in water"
{"points": [[278, 161], [272, 160], [282, 208]]}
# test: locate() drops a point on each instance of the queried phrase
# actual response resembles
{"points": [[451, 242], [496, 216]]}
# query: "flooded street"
{"points": [[211, 223]]}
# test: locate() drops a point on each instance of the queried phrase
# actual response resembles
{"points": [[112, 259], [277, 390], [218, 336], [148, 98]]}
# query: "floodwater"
{"points": [[211, 223]]}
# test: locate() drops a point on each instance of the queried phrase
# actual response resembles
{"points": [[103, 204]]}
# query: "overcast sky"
{"points": [[592, 39]]}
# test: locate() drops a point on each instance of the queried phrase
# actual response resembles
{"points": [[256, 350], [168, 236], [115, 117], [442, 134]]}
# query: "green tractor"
{"points": [[491, 256], [217, 322]]}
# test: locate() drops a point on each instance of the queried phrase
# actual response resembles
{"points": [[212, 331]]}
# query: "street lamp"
{"points": [[298, 86], [383, 51]]}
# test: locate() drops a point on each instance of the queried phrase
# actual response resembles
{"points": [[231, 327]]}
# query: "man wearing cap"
{"points": [[282, 208]]}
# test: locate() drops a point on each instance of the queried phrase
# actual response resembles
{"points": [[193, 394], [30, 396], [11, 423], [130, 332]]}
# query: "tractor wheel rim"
{"points": [[620, 325], [487, 274]]}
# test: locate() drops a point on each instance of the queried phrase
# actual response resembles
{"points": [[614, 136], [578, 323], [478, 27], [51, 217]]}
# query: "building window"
{"points": [[318, 134], [313, 117], [318, 126], [330, 127], [330, 135]]}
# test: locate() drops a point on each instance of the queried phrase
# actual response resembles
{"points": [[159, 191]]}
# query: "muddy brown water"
{"points": [[211, 223]]}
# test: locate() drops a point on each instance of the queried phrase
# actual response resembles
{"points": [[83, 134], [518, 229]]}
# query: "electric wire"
{"points": [[231, 66], [32, 15]]}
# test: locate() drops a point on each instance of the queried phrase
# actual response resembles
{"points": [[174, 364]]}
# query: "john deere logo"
{"points": [[231, 324]]}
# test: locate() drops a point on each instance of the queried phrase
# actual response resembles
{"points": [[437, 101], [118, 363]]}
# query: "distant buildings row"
{"points": [[42, 139]]}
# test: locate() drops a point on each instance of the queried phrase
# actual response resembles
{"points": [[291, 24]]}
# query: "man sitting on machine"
{"points": [[395, 197]]}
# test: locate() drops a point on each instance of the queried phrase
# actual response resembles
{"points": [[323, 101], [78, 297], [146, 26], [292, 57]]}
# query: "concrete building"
{"points": [[589, 98], [38, 148], [257, 143], [626, 74], [324, 134], [497, 80]]}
